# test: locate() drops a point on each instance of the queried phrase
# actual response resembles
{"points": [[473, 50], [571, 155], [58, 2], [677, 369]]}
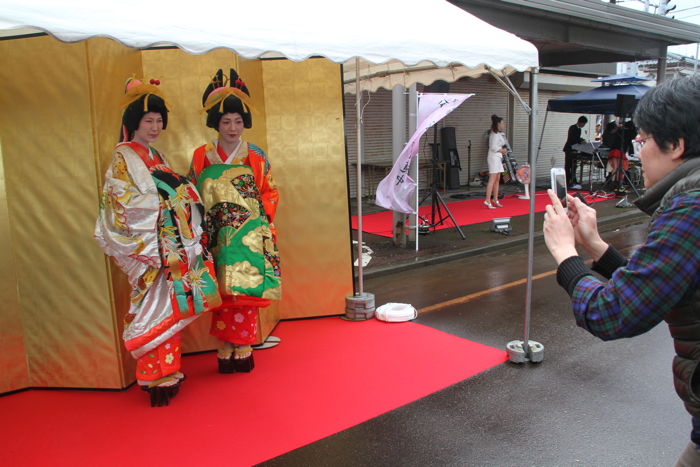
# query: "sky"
{"points": [[686, 10]]}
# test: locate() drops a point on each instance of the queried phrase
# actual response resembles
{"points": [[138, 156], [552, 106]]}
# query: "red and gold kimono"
{"points": [[239, 218], [150, 223]]}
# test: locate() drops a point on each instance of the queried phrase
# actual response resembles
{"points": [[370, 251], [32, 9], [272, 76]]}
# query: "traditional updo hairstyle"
{"points": [[140, 99], [219, 99]]}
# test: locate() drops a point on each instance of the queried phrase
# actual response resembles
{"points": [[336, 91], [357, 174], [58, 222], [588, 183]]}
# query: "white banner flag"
{"points": [[396, 190]]}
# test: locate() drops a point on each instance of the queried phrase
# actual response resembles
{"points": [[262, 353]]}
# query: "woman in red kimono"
{"points": [[240, 199], [150, 223]]}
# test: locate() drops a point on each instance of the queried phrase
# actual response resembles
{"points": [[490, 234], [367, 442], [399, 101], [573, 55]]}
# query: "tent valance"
{"points": [[599, 101], [388, 75]]}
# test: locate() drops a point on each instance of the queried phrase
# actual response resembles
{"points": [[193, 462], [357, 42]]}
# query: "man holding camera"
{"points": [[659, 282]]}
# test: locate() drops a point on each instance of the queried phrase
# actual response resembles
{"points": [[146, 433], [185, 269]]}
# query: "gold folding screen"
{"points": [[304, 130], [49, 143], [62, 302], [13, 352]]}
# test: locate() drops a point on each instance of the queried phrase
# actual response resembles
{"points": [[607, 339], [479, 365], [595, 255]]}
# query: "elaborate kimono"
{"points": [[150, 223], [240, 200]]}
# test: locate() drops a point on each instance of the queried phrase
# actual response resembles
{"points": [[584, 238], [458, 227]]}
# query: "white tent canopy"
{"points": [[379, 31]]}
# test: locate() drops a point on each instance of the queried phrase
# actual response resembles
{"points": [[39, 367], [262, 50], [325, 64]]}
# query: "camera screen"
{"points": [[560, 187]]}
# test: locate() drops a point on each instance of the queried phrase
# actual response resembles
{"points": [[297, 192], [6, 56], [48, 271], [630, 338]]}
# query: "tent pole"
{"points": [[539, 145], [531, 229], [511, 89], [528, 345], [358, 115], [529, 350], [360, 305]]}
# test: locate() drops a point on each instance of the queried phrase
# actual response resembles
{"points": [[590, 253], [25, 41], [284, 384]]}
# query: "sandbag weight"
{"points": [[359, 307]]}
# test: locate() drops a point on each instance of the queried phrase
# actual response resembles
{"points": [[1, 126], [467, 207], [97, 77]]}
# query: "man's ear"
{"points": [[677, 149]]}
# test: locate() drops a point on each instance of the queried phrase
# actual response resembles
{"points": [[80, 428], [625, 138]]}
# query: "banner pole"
{"points": [[412, 125]]}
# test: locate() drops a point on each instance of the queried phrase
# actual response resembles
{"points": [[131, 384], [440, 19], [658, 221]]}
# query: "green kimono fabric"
{"points": [[245, 254]]}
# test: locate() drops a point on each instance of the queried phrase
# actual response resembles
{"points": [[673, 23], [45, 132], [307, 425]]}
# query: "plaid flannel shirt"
{"points": [[656, 277], [641, 291]]}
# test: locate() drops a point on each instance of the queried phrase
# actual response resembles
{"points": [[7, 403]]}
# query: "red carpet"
{"points": [[326, 376], [467, 212]]}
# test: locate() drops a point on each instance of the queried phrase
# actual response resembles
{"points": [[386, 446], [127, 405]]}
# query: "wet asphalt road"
{"points": [[589, 402]]}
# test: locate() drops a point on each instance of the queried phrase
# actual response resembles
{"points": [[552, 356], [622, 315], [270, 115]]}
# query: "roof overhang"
{"points": [[568, 32]]}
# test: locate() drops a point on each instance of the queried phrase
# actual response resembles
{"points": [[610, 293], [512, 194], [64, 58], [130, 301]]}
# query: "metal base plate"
{"points": [[271, 341], [516, 352]]}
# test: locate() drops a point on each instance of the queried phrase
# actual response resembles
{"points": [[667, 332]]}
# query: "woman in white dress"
{"points": [[497, 143]]}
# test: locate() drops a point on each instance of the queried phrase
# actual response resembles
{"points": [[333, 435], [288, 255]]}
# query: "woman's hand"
{"points": [[583, 219], [559, 234]]}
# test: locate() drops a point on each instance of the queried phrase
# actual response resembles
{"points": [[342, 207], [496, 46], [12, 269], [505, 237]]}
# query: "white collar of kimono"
{"points": [[233, 154], [151, 154]]}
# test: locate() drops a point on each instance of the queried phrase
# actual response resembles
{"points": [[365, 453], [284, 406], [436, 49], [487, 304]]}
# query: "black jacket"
{"points": [[573, 137], [612, 140]]}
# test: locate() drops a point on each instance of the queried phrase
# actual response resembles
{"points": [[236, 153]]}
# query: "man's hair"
{"points": [[582, 119], [671, 111]]}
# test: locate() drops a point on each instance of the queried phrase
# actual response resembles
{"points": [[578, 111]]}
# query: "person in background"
{"points": [[659, 282], [573, 137], [240, 198], [150, 223], [612, 139], [494, 158], [628, 134]]}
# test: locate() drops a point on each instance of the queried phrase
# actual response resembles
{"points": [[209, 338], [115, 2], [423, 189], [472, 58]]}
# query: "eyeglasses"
{"points": [[643, 141]]}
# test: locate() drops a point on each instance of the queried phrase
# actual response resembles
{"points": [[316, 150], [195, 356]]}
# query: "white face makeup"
{"points": [[149, 129], [231, 128]]}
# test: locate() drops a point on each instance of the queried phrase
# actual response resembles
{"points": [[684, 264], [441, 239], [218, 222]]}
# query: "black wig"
{"points": [[231, 104], [135, 111]]}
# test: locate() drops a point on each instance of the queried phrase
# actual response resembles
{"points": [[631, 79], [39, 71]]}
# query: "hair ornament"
{"points": [[135, 89], [226, 94], [218, 97]]}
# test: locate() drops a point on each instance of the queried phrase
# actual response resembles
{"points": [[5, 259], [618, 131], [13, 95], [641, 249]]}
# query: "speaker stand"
{"points": [[437, 203]]}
